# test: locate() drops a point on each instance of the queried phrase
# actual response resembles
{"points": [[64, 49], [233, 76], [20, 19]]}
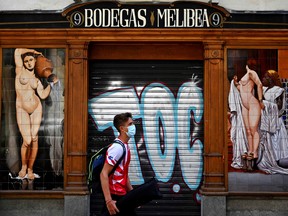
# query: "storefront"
{"points": [[171, 66]]}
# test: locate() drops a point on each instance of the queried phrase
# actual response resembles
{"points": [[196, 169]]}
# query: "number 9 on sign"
{"points": [[216, 19], [77, 18]]}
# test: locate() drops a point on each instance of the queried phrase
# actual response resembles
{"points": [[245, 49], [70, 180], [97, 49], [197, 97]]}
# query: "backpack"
{"points": [[96, 165]]}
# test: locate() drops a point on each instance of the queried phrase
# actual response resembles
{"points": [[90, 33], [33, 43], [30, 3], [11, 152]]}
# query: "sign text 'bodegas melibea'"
{"points": [[116, 15]]}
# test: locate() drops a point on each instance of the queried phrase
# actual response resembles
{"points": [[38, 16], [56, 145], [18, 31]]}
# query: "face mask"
{"points": [[131, 131]]}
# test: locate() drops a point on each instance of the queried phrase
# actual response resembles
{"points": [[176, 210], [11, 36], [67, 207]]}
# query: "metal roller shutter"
{"points": [[166, 100]]}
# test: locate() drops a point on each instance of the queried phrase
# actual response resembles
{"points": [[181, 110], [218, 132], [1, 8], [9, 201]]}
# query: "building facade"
{"points": [[206, 83]]}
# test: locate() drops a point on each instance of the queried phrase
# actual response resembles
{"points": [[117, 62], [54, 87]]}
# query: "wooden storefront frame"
{"points": [[76, 41]]}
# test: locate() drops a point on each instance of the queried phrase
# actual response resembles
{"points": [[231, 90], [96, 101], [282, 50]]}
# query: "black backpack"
{"points": [[96, 164]]}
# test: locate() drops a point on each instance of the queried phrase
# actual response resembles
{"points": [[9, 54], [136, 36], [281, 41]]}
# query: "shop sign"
{"points": [[174, 15]]}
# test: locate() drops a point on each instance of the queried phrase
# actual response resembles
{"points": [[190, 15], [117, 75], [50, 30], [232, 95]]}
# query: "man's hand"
{"points": [[112, 208]]}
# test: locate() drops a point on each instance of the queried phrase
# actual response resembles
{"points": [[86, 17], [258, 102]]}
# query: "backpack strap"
{"points": [[121, 158]]}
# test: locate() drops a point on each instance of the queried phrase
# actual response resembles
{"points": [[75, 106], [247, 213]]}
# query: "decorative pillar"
{"points": [[76, 95], [214, 186], [76, 199], [214, 115]]}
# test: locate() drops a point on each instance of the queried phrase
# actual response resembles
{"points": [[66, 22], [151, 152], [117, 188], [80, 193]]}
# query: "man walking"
{"points": [[118, 184]]}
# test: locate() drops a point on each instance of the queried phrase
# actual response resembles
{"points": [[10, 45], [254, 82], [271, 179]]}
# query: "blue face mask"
{"points": [[131, 131]]}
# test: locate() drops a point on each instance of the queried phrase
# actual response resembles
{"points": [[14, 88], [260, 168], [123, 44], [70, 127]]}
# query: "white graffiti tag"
{"points": [[169, 124]]}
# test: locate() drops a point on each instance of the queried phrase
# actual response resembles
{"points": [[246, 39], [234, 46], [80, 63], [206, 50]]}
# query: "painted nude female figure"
{"points": [[28, 107], [251, 111]]}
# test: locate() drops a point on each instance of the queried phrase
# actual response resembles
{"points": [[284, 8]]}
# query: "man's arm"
{"points": [[104, 177], [128, 185], [279, 101]]}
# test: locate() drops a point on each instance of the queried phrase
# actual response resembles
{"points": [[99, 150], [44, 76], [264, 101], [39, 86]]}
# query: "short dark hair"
{"points": [[120, 119]]}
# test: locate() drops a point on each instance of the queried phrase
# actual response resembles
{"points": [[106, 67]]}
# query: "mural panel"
{"points": [[258, 140], [32, 119]]}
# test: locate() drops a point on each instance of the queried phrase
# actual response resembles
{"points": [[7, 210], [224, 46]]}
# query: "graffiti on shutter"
{"points": [[166, 100]]}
